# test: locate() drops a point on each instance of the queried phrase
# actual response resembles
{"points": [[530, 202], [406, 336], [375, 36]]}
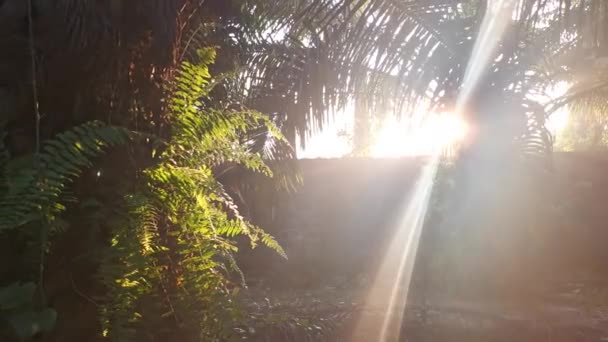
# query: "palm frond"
{"points": [[389, 51]]}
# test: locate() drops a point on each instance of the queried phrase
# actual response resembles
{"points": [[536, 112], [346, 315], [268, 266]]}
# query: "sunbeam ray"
{"points": [[391, 285], [497, 17]]}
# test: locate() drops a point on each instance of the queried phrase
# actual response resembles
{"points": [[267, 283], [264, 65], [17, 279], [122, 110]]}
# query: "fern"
{"points": [[35, 183], [171, 263], [127, 270], [270, 242]]}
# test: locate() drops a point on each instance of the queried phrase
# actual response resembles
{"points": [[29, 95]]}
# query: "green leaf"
{"points": [[16, 295], [28, 324]]}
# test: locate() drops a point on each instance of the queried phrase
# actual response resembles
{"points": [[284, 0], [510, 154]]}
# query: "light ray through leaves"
{"points": [[391, 285]]}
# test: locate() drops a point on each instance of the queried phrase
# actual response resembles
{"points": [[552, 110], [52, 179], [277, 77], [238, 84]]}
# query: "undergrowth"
{"points": [[169, 235]]}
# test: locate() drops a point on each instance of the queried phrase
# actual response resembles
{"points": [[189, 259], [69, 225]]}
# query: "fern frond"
{"points": [[230, 230], [41, 180], [270, 242], [128, 269], [176, 247], [148, 227]]}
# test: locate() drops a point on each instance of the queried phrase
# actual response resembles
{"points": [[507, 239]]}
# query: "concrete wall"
{"points": [[337, 220], [335, 226]]}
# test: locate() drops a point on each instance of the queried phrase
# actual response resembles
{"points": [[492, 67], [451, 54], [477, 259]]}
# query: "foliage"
{"points": [[170, 266], [114, 62], [20, 320], [394, 57], [586, 129], [34, 192], [173, 223], [577, 59], [34, 184]]}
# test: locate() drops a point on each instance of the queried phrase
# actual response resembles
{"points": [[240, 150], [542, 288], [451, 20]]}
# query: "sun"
{"points": [[399, 138], [420, 135]]}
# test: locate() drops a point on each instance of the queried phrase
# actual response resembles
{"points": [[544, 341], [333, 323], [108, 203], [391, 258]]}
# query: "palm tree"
{"points": [[582, 64], [406, 54], [396, 54], [400, 54]]}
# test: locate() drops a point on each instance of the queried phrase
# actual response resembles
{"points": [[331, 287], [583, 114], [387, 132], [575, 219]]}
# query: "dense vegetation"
{"points": [[125, 126]]}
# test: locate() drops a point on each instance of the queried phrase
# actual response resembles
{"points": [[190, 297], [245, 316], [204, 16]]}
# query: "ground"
{"points": [[571, 311]]}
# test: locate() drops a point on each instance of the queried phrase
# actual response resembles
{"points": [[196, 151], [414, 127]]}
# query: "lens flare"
{"points": [[391, 285], [498, 16], [437, 132]]}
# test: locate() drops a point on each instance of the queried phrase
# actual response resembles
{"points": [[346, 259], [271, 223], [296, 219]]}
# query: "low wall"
{"points": [[338, 222]]}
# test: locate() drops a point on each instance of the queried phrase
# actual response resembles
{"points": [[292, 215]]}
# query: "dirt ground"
{"points": [[334, 313]]}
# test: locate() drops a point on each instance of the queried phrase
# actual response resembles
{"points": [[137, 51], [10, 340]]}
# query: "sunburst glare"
{"points": [[403, 138]]}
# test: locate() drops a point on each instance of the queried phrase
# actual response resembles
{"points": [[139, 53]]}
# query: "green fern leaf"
{"points": [[39, 182]]}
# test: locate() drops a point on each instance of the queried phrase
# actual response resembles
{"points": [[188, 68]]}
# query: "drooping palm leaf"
{"points": [[328, 52]]}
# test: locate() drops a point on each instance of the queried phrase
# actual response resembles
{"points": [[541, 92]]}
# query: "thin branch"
{"points": [[43, 229], [80, 293], [30, 25]]}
